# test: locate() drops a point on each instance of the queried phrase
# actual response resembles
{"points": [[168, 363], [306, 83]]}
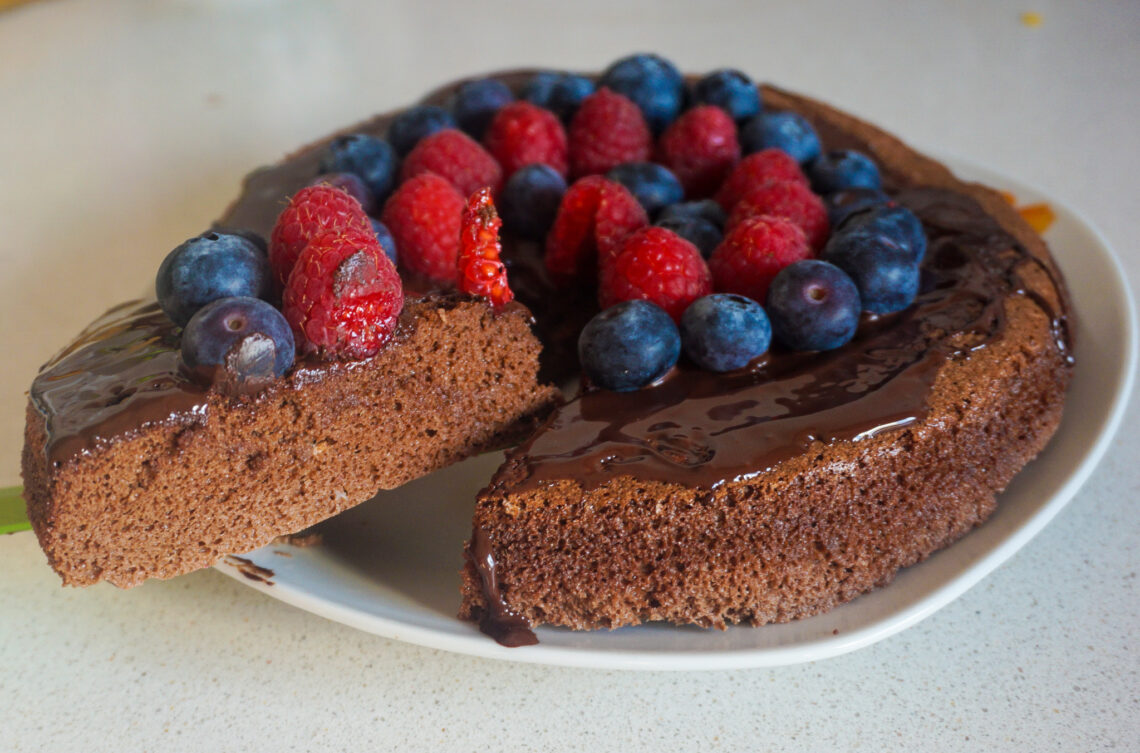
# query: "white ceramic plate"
{"points": [[390, 566]]}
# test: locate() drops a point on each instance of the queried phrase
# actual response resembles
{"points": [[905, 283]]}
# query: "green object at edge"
{"points": [[13, 513]]}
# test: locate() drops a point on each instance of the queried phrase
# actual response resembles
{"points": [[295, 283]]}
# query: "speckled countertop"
{"points": [[127, 126]]}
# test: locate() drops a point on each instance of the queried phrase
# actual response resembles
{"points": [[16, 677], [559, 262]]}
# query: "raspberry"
{"points": [[607, 130], [310, 212], [655, 265], [791, 200], [755, 170], [456, 156], [701, 148], [753, 252], [343, 296], [594, 213], [481, 271], [423, 216], [524, 134]]}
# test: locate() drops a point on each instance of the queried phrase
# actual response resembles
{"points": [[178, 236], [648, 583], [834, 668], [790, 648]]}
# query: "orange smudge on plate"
{"points": [[1039, 216], [1031, 19]]}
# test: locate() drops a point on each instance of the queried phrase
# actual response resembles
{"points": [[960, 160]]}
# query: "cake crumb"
{"points": [[1031, 19]]}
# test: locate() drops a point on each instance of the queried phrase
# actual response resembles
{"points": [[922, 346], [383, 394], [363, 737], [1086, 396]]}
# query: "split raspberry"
{"points": [[657, 265], [310, 212], [594, 213], [791, 200], [456, 156], [701, 149], [754, 171], [524, 134], [608, 130], [481, 270], [423, 216], [753, 252], [344, 296]]}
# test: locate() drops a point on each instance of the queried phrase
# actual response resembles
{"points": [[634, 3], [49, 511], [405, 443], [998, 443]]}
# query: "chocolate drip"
{"points": [[498, 620]]}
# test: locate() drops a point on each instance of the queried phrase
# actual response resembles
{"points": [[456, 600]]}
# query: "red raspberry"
{"points": [[343, 296], [456, 156], [423, 216], [656, 265], [755, 170], [607, 130], [310, 212], [594, 213], [701, 148], [481, 270], [788, 199], [753, 252], [524, 134]]}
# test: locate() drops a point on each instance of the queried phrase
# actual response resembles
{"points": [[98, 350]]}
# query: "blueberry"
{"points": [[413, 124], [246, 336], [843, 204], [652, 82], [895, 223], [387, 242], [368, 157], [654, 186], [561, 93], [695, 229], [842, 169], [884, 272], [706, 209], [476, 102], [787, 131], [813, 305], [209, 267], [256, 239], [731, 91], [351, 184], [722, 332], [529, 200], [628, 346]]}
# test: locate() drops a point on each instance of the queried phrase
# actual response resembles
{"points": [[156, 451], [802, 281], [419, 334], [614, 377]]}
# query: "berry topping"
{"points": [[370, 158], [385, 239], [813, 305], [701, 148], [789, 199], [454, 155], [529, 200], [897, 224], [255, 238], [650, 82], [416, 123], [311, 211], [655, 186], [657, 265], [423, 216], [695, 229], [885, 272], [753, 252], [481, 270], [561, 93], [787, 131], [843, 204], [209, 267], [705, 209], [754, 171], [595, 214], [247, 337], [607, 130], [344, 296], [628, 346], [523, 134], [842, 169], [619, 214], [351, 184], [731, 91], [476, 102], [722, 332]]}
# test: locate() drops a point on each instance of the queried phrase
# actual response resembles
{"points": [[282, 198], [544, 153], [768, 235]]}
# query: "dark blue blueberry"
{"points": [[256, 239], [706, 209], [351, 184], [843, 204], [722, 332], [842, 169], [884, 272], [529, 200], [476, 102], [387, 242], [628, 346], [413, 124], [787, 131], [561, 93], [209, 267], [813, 305], [696, 230], [895, 223], [652, 82], [654, 186], [731, 91], [368, 157], [247, 337]]}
